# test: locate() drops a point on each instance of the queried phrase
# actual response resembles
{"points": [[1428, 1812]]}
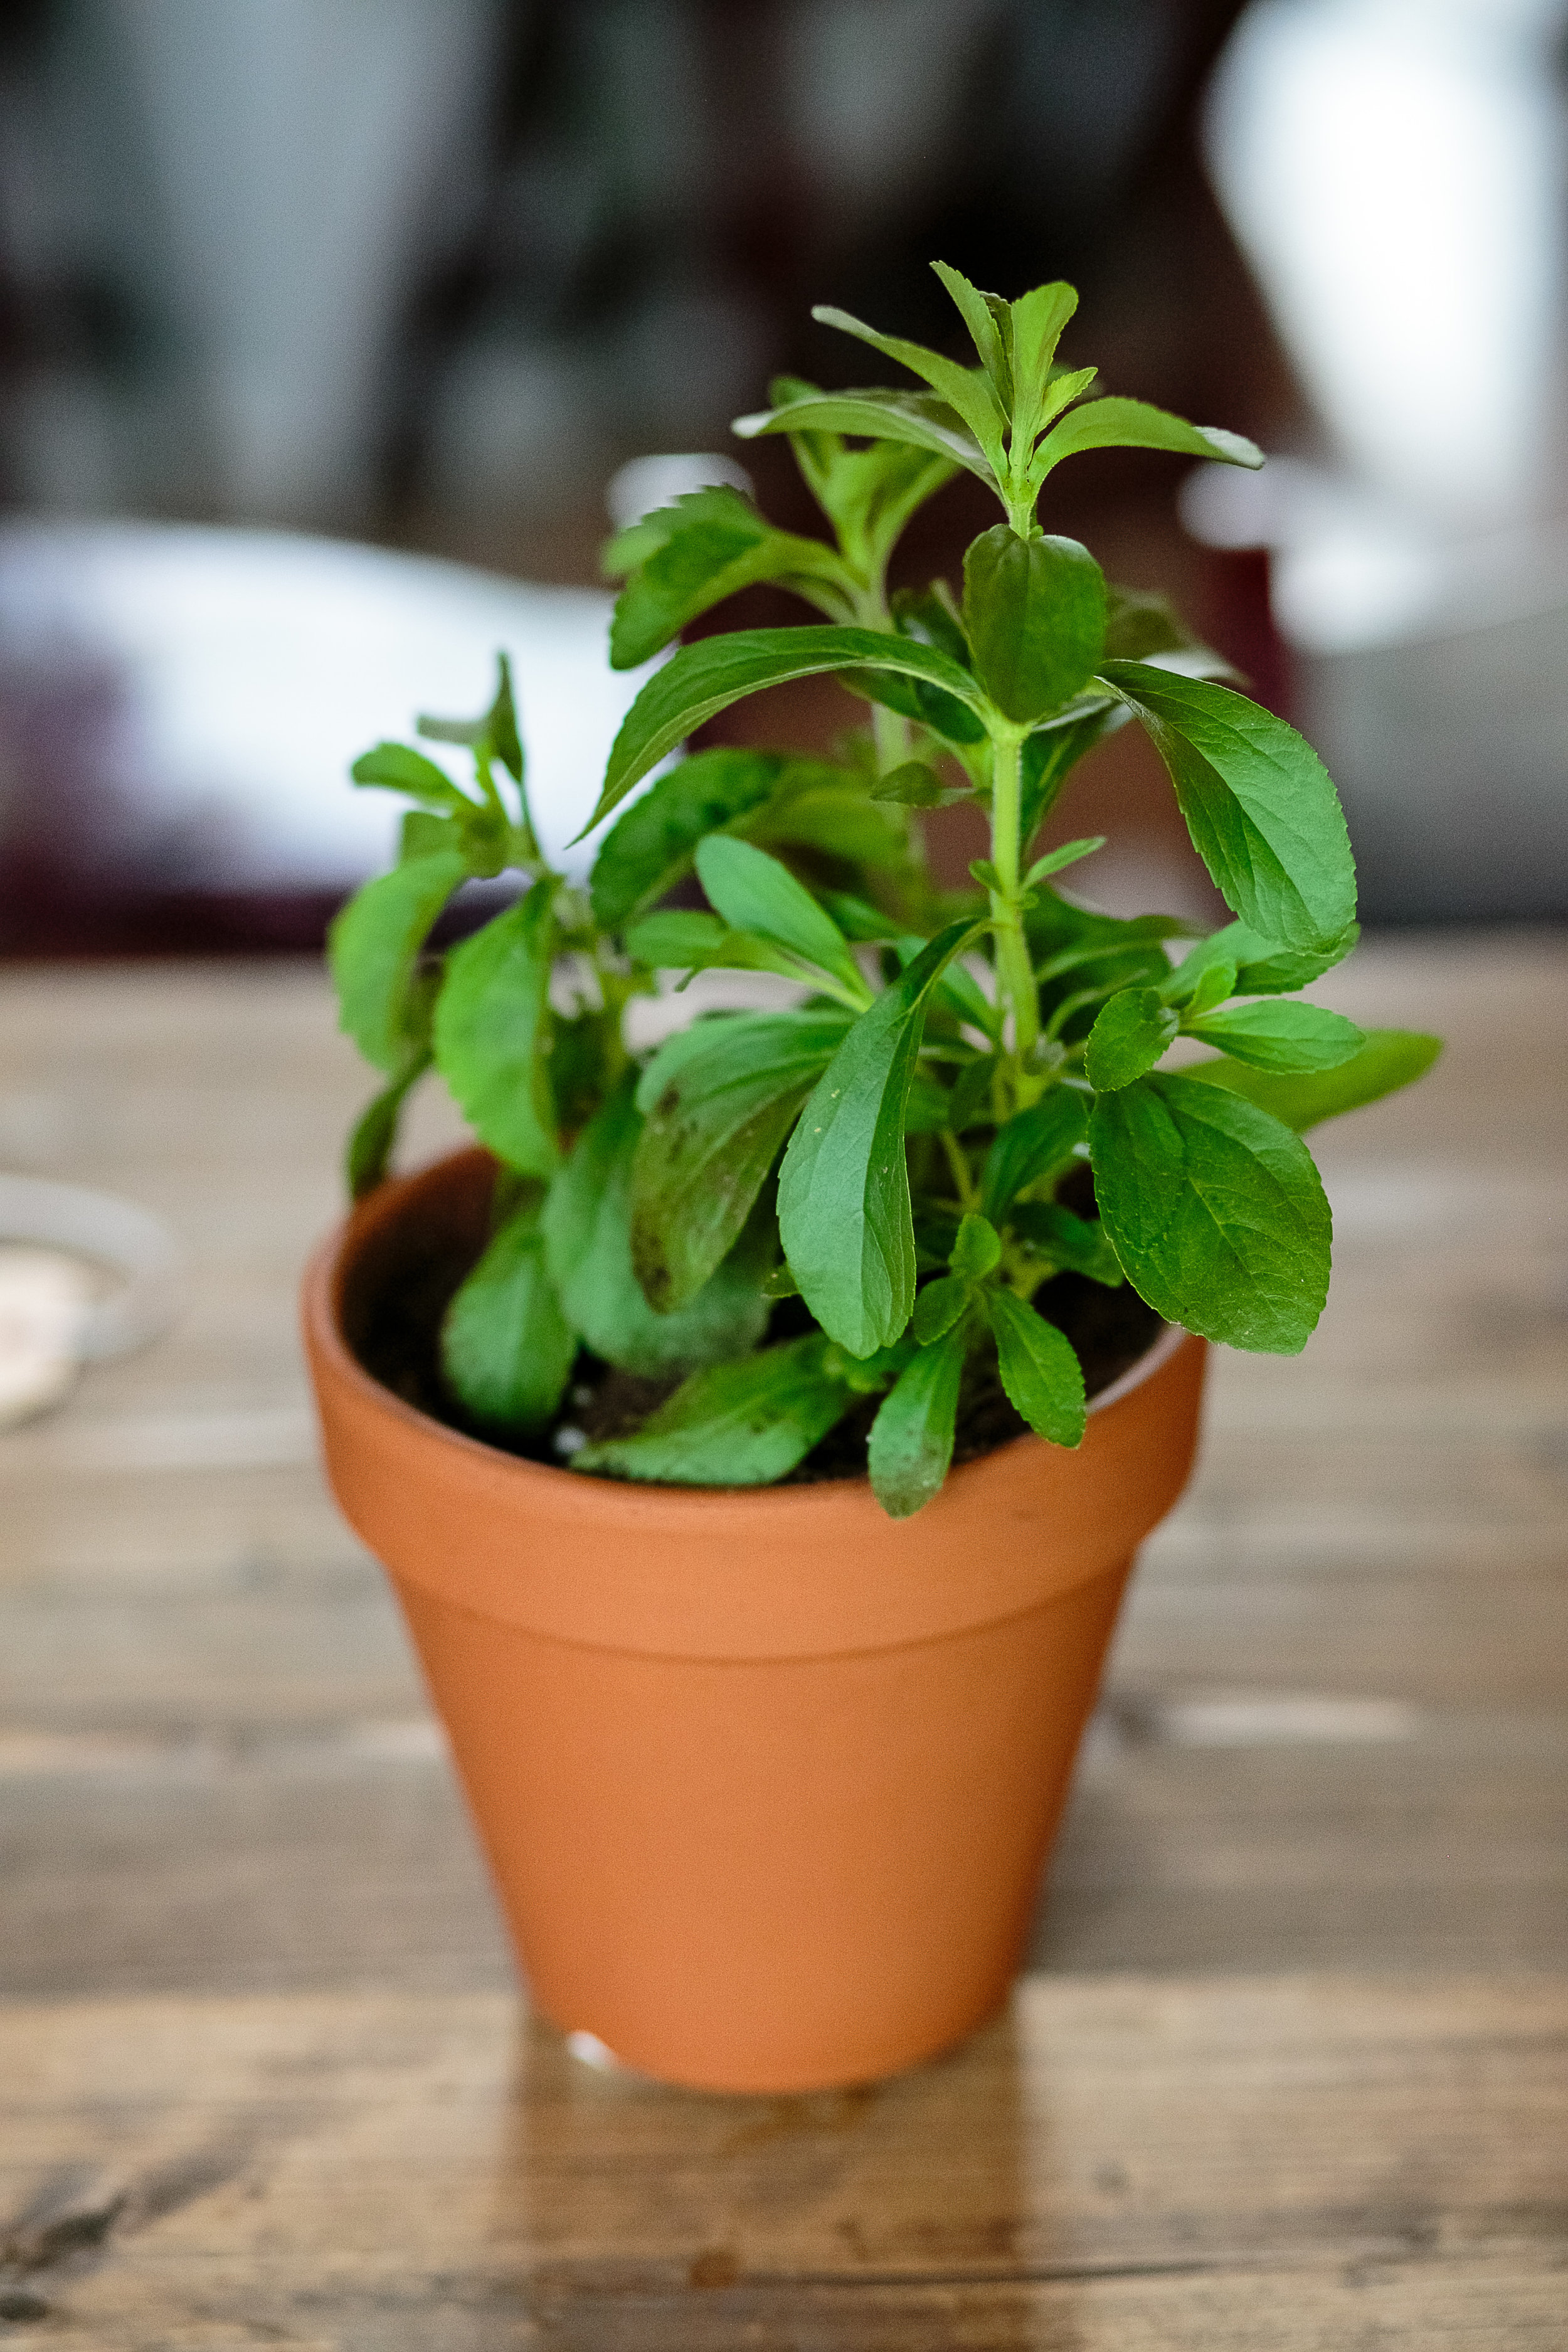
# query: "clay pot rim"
{"points": [[638, 1498]]}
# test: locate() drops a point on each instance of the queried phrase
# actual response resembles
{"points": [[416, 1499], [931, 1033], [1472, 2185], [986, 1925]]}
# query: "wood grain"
{"points": [[1291, 2162], [255, 2013]]}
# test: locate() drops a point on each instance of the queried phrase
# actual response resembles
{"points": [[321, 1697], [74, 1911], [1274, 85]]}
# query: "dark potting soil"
{"points": [[398, 1335]]}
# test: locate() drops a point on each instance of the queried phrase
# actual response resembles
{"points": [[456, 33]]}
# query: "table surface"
{"points": [[1290, 2069]]}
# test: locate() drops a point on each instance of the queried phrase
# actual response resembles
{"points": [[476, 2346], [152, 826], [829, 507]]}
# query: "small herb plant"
{"points": [[782, 1214]]}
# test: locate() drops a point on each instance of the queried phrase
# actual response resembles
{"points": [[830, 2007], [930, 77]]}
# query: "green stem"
{"points": [[1014, 970]]}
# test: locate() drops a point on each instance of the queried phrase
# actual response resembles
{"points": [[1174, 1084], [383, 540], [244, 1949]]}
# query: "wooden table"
{"points": [[1289, 2068]]}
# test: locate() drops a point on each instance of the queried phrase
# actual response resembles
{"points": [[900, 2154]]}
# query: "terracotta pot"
{"points": [[766, 1778]]}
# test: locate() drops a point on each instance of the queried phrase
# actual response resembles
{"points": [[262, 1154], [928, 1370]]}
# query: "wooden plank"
{"points": [[1288, 2163]]}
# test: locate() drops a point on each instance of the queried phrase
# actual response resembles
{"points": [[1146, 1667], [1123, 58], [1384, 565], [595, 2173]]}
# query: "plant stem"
{"points": [[1014, 971]]}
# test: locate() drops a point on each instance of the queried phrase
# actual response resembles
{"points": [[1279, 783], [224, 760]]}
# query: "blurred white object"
{"points": [[43, 1300], [648, 482], [305, 156], [55, 1314], [253, 666], [1394, 170]]}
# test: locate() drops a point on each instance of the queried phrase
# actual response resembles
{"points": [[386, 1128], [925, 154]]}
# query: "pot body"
{"points": [[766, 1778]]}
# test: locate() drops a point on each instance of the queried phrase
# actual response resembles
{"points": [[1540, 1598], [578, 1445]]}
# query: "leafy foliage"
{"points": [[852, 1201]]}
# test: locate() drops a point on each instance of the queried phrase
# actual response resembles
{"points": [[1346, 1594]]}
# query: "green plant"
{"points": [[859, 1196]]}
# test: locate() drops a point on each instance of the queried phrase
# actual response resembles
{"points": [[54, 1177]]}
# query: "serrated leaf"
{"points": [[931, 616], [714, 543], [719, 1101], [984, 328], [917, 418], [911, 1438], [1034, 610], [843, 1190], [938, 1306], [977, 1248], [1034, 1143], [1263, 968], [507, 1349], [1276, 1036], [651, 845], [399, 768], [374, 945], [1039, 1369], [1214, 1210], [745, 1424], [1130, 1034], [1134, 425], [967, 392], [1260, 804], [706, 677], [755, 893], [1391, 1058], [588, 1249], [487, 1031], [1038, 320]]}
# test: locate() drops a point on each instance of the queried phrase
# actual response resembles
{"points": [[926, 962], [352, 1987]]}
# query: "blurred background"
{"points": [[324, 325]]}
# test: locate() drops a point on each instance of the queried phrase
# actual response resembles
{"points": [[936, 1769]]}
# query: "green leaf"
{"points": [[373, 947], [1263, 968], [1052, 752], [868, 494], [488, 1031], [588, 1248], [755, 893], [911, 1438], [650, 846], [1034, 613], [506, 1347], [1133, 425], [1389, 1058], [918, 418], [714, 543], [985, 332], [1055, 860], [938, 1306], [745, 1424], [844, 1190], [820, 807], [1038, 320], [1279, 1036], [398, 768], [374, 1135], [706, 677], [967, 392], [1259, 803], [1077, 1243], [1142, 626], [717, 1108], [1130, 1034], [1034, 1143], [1039, 1371], [1214, 1210], [494, 734], [978, 1248], [931, 616], [914, 785]]}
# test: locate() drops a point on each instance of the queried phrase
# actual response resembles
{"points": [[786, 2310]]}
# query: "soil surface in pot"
{"points": [[395, 1335]]}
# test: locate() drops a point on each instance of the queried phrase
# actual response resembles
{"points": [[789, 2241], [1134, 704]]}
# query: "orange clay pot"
{"points": [[766, 1778]]}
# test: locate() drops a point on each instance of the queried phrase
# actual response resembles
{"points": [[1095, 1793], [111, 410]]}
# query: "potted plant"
{"points": [[650, 1402]]}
